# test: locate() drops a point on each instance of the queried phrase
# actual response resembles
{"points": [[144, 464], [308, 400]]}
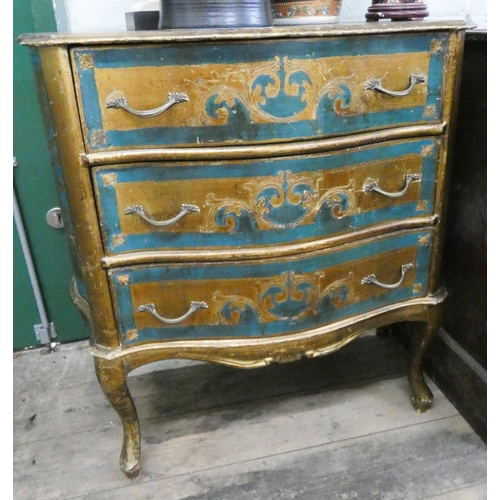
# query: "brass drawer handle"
{"points": [[139, 210], [121, 102], [373, 279], [193, 307], [372, 185], [376, 84]]}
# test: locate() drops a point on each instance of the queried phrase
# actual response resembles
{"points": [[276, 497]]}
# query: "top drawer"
{"points": [[213, 93]]}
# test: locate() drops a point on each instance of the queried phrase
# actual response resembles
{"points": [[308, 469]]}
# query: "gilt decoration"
{"points": [[284, 201], [288, 296], [277, 91]]}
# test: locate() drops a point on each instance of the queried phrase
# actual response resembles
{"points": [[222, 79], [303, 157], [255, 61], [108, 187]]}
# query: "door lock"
{"points": [[54, 218]]}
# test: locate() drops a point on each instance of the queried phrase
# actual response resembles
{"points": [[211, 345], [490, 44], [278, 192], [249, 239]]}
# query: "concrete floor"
{"points": [[338, 427]]}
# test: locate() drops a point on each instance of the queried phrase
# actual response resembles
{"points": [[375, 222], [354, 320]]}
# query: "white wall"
{"points": [[477, 11], [109, 15], [354, 10], [96, 15]]}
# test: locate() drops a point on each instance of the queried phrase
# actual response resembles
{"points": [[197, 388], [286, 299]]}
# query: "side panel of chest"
{"points": [[255, 92]]}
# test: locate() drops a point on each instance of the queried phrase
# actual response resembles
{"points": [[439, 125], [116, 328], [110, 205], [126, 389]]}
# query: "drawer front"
{"points": [[256, 92], [260, 298], [264, 202]]}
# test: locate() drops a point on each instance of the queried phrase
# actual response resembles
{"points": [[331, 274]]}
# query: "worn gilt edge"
{"points": [[187, 35], [78, 299], [217, 254], [262, 150], [178, 346]]}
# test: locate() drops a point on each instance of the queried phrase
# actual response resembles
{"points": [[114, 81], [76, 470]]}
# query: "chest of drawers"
{"points": [[250, 196]]}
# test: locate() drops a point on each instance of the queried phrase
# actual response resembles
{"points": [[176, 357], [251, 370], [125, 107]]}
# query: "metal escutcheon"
{"points": [[54, 218]]}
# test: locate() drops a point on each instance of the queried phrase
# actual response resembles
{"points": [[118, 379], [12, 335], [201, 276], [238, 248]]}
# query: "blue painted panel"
{"points": [[239, 126], [245, 231], [327, 122], [249, 325], [225, 52]]}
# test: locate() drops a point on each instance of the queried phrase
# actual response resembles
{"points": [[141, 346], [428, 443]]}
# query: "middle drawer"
{"points": [[249, 203]]}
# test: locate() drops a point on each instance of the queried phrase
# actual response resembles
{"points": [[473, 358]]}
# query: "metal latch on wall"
{"points": [[54, 218], [45, 335]]}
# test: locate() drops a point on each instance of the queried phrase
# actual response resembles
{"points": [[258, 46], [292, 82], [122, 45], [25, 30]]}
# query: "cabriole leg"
{"points": [[421, 395], [112, 377]]}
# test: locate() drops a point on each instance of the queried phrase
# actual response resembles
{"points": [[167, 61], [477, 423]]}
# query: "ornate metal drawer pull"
{"points": [[372, 185], [376, 84], [121, 102], [373, 279], [151, 308], [185, 209]]}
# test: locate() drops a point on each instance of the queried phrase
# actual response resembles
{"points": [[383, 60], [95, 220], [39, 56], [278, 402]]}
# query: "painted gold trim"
{"points": [[78, 300], [261, 150], [453, 67], [226, 34], [59, 85], [184, 346], [436, 46], [98, 138], [109, 179], [430, 111], [86, 61], [218, 254], [118, 240]]}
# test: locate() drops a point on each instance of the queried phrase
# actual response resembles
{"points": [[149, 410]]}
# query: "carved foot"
{"points": [[112, 378], [421, 395], [130, 457]]}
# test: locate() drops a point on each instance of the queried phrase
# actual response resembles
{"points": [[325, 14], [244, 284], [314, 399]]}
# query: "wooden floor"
{"points": [[338, 427]]}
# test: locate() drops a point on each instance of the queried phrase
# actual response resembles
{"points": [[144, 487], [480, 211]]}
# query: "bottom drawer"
{"points": [[269, 297]]}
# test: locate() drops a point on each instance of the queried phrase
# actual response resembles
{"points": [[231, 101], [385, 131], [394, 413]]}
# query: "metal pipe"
{"points": [[29, 264]]}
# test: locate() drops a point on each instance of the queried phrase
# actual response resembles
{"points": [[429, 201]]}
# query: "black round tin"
{"points": [[215, 13]]}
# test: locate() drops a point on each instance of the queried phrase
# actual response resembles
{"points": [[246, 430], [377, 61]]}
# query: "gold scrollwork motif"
{"points": [[86, 61], [109, 179], [424, 240], [422, 205], [323, 83], [123, 279], [98, 138], [430, 111], [436, 46], [118, 240], [286, 200], [427, 150], [235, 88], [132, 334], [288, 296], [256, 85]]}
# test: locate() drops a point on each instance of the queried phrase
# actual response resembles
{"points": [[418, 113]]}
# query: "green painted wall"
{"points": [[36, 193]]}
